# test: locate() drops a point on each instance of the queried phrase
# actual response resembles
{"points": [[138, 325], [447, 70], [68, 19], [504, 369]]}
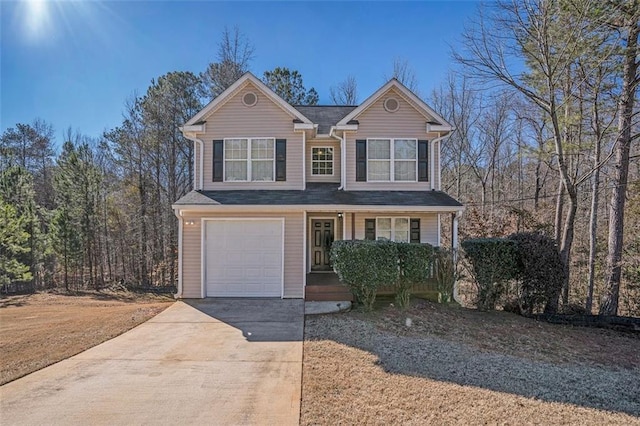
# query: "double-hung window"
{"points": [[392, 160], [322, 161], [393, 229], [249, 160]]}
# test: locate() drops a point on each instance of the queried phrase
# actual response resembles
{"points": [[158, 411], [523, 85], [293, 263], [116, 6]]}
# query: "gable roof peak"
{"points": [[405, 92], [223, 97]]}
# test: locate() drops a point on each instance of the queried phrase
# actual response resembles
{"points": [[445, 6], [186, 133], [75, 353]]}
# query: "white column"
{"points": [[454, 232], [454, 250]]}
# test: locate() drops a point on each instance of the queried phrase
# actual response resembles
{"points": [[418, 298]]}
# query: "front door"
{"points": [[321, 239]]}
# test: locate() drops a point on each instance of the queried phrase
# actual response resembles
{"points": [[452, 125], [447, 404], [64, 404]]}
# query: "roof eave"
{"points": [[317, 207]]}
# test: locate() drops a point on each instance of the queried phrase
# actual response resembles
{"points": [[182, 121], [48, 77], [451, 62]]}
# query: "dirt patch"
{"points": [[459, 366], [40, 329]]}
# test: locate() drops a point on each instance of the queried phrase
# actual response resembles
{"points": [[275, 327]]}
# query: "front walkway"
{"points": [[229, 361]]}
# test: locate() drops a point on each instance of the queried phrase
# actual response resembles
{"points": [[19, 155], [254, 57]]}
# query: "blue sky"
{"points": [[74, 64]]}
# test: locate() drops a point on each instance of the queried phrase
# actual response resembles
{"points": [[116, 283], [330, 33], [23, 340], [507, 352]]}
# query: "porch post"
{"points": [[454, 250], [454, 232], [353, 226]]}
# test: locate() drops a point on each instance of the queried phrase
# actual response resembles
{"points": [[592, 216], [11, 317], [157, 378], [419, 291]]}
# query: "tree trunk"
{"points": [[559, 211], [567, 242], [609, 305], [593, 217]]}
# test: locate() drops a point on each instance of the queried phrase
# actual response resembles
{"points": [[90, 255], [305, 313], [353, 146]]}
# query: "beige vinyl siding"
{"points": [[376, 122], [265, 119], [336, 160], [428, 224], [293, 251], [191, 259]]}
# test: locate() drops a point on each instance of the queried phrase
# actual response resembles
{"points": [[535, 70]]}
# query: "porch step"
{"points": [[327, 293]]}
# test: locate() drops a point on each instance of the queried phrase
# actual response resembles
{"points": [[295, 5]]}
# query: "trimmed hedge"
{"points": [[540, 272], [415, 262], [364, 266], [529, 259], [493, 264]]}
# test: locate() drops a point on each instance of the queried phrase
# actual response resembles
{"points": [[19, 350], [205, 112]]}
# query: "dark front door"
{"points": [[321, 239]]}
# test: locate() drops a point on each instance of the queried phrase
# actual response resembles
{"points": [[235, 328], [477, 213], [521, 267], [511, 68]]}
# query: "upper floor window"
{"points": [[392, 160], [393, 228], [249, 160], [322, 161]]}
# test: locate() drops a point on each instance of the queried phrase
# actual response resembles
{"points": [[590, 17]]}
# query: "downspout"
{"points": [[334, 134], [433, 162], [304, 160], [342, 161], [198, 179]]}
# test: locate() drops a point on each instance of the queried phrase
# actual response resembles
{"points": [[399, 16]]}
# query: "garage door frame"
{"points": [[203, 246]]}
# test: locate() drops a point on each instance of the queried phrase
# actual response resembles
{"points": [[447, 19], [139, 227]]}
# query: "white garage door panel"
{"points": [[244, 258]]}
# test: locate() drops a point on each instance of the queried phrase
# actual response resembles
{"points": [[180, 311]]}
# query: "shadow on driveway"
{"points": [[260, 320]]}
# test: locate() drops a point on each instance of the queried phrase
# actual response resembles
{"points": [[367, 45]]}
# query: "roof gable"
{"points": [[234, 88], [409, 96], [325, 116]]}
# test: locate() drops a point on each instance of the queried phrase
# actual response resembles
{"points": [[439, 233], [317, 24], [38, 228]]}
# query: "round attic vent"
{"points": [[391, 104], [250, 99]]}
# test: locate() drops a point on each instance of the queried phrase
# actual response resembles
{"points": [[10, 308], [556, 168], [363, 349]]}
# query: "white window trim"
{"points": [[393, 226], [247, 160], [324, 161], [392, 160]]}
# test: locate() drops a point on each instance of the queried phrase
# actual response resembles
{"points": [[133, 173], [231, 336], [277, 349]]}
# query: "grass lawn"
{"points": [[40, 329], [460, 366]]}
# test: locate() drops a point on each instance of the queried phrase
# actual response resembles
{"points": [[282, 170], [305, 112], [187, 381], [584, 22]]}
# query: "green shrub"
{"points": [[540, 272], [445, 273], [492, 263], [364, 266], [415, 262]]}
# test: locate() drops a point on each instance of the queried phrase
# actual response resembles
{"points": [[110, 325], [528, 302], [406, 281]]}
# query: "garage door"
{"points": [[244, 258]]}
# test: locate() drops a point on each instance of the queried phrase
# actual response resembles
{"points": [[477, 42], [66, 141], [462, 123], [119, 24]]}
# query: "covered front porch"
{"points": [[324, 227]]}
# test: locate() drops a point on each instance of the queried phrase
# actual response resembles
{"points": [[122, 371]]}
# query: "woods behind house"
{"points": [[543, 95]]}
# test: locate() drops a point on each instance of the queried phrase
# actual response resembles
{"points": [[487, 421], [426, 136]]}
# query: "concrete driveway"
{"points": [[230, 361]]}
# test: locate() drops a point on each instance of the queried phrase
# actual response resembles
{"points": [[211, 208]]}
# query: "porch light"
{"points": [[339, 215], [189, 222]]}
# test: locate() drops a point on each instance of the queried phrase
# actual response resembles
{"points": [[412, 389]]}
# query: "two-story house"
{"points": [[275, 184]]}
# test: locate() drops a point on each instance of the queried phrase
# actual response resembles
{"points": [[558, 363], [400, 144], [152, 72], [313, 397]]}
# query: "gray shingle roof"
{"points": [[316, 194], [325, 116]]}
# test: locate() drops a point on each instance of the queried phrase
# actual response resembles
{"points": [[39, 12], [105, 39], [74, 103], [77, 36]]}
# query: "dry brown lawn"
{"points": [[461, 366], [40, 329]]}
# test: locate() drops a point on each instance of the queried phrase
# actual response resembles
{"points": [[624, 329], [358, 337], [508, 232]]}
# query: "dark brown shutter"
{"points": [[423, 161], [415, 231], [361, 160], [281, 159], [218, 160], [369, 229]]}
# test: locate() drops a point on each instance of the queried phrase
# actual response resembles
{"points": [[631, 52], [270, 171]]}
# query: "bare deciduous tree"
{"points": [[405, 74], [345, 92], [235, 53]]}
